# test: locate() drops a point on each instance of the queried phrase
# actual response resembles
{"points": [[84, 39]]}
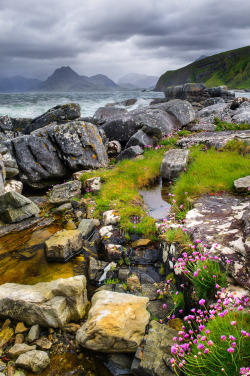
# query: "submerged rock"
{"points": [[116, 322], [50, 304], [15, 207]]}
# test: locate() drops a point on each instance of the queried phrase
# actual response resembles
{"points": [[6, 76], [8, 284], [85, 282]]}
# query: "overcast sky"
{"points": [[116, 37]]}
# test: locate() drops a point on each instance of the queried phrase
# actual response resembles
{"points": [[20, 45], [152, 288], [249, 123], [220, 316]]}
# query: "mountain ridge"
{"points": [[231, 68]]}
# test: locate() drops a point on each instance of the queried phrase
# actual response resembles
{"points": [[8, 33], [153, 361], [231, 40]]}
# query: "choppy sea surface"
{"points": [[31, 105]]}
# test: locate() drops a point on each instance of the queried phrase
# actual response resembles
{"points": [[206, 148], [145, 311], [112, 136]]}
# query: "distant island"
{"points": [[231, 68], [65, 79]]}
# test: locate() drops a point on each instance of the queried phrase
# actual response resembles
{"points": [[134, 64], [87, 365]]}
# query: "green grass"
{"points": [[120, 191], [218, 357], [224, 126], [208, 172]]}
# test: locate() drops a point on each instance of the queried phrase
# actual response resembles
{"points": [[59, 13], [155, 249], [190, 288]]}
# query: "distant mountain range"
{"points": [[231, 68], [65, 79], [137, 80]]}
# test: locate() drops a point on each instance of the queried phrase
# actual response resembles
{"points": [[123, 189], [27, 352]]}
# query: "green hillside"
{"points": [[231, 68]]}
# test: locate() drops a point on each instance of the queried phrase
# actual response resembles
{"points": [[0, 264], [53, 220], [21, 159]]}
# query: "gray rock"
{"points": [[15, 207], [212, 101], [93, 184], [242, 185], [181, 111], [58, 114], [154, 358], [34, 361], [142, 139], [242, 117], [114, 148], [96, 269], [33, 334], [156, 122], [63, 193], [63, 245], [86, 227], [105, 113], [11, 167], [202, 126], [131, 152], [49, 304], [173, 163], [224, 220], [63, 208], [217, 110], [47, 154], [19, 349], [13, 185], [2, 176], [216, 139]]}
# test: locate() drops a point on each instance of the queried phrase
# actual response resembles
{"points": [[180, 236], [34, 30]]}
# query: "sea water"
{"points": [[30, 105]]}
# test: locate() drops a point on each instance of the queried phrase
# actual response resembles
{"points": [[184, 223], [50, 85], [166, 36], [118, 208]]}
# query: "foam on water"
{"points": [[31, 105]]}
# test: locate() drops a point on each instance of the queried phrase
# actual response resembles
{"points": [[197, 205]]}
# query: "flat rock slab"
{"points": [[173, 163], [224, 220], [242, 185], [15, 207], [116, 322], [216, 139], [154, 357], [50, 304], [64, 244], [19, 349]]}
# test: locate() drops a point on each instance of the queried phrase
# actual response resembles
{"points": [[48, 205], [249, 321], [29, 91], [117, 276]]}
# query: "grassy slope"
{"points": [[231, 68]]}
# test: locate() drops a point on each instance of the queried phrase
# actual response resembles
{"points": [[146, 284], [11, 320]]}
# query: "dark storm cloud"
{"points": [[116, 37]]}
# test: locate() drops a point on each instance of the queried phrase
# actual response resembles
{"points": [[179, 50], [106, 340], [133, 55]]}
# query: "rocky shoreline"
{"points": [[127, 319]]}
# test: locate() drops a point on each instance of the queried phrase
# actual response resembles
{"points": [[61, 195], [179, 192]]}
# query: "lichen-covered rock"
{"points": [[65, 192], [154, 357], [116, 322], [58, 114], [86, 227], [114, 148], [242, 185], [216, 139], [181, 111], [63, 245], [111, 217], [34, 360], [106, 113], [13, 185], [49, 153], [50, 304], [15, 207], [93, 184], [224, 220], [173, 163]]}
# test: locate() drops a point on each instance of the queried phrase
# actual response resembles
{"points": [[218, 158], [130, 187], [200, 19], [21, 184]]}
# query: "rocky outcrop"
{"points": [[216, 139], [153, 358], [142, 139], [242, 185], [51, 152], [15, 207], [65, 192], [63, 245], [50, 304], [173, 163], [180, 110], [224, 221], [116, 323], [58, 114]]}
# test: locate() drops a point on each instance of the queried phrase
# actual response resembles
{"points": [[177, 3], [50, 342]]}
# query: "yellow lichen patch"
{"points": [[5, 335], [94, 156]]}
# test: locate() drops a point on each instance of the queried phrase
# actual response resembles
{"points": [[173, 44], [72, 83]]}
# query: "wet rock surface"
{"points": [[116, 322], [224, 220], [63, 245]]}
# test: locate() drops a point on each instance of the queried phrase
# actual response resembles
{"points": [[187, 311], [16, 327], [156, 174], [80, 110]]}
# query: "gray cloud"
{"points": [[116, 37]]}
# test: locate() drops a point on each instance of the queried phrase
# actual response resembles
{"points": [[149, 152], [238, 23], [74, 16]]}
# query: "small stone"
{"points": [[86, 227], [19, 339], [10, 370], [63, 244], [71, 328], [141, 243], [113, 252], [34, 361], [111, 217], [93, 185], [20, 328], [134, 282], [6, 323], [51, 330], [2, 366], [33, 333], [50, 337], [106, 231], [13, 185], [43, 343], [70, 225], [242, 185], [5, 335], [17, 350]]}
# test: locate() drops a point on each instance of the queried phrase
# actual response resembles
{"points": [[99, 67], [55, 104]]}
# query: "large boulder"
{"points": [[58, 114], [116, 322], [173, 163], [63, 245], [181, 111], [105, 113], [50, 304], [51, 152], [154, 357], [15, 207], [65, 192], [224, 221], [141, 139]]}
